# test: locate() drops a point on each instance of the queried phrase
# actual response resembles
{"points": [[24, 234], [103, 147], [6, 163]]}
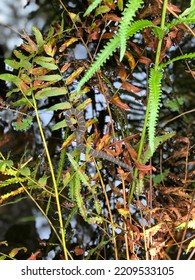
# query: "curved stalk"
{"points": [[62, 233]]}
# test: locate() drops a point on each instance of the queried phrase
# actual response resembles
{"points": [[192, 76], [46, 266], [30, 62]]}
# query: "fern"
{"points": [[83, 177], [110, 47], [191, 224], [154, 104], [128, 14], [179, 21], [191, 245], [160, 177], [189, 11], [81, 205], [157, 141], [14, 180], [78, 178], [184, 56], [78, 197]]}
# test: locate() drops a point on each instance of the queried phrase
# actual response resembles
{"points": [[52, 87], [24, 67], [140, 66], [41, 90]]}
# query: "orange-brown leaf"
{"points": [[31, 43], [118, 102], [27, 48], [39, 71], [144, 168], [68, 43], [94, 36], [129, 87], [49, 49], [78, 251], [122, 73], [104, 141], [112, 17], [130, 59], [107, 35], [37, 83], [145, 60], [74, 75], [23, 86], [65, 67], [173, 8], [33, 256]]}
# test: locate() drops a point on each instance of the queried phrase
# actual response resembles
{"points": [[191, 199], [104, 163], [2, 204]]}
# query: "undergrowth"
{"points": [[125, 215]]}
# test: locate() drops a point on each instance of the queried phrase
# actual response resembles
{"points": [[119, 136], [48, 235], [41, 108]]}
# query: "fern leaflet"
{"points": [[76, 193], [179, 21], [110, 47], [191, 224], [184, 56], [157, 141], [154, 104], [128, 14], [191, 245]]}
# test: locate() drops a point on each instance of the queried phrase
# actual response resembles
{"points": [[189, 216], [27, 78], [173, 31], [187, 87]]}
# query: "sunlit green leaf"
{"points": [[4, 164], [102, 10], [50, 91], [50, 78], [60, 106], [10, 78], [25, 171], [59, 125], [38, 36], [22, 101], [18, 64], [47, 62], [43, 181]]}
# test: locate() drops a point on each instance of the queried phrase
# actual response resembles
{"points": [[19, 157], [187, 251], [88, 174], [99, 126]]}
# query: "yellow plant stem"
{"points": [[110, 214], [63, 241]]}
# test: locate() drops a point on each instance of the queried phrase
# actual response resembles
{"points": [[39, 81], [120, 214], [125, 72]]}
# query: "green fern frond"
{"points": [[189, 11], [11, 181], [100, 60], [78, 197], [110, 47], [76, 192], [93, 5], [157, 141], [191, 224], [10, 172], [154, 104], [81, 205], [184, 56], [158, 178], [127, 16], [179, 21], [83, 177], [191, 245]]}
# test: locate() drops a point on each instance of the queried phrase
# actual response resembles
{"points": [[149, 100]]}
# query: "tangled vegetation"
{"points": [[125, 87]]}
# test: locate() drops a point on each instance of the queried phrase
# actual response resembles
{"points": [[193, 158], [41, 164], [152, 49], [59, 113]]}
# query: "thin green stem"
{"points": [[63, 241], [162, 26]]}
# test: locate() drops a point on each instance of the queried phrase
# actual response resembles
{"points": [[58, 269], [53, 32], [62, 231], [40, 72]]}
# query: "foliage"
{"points": [[104, 199]]}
